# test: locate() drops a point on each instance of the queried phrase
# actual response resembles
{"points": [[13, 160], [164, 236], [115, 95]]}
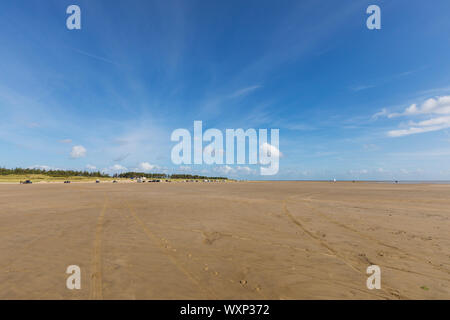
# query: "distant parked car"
{"points": [[115, 181], [67, 181], [26, 182], [97, 181]]}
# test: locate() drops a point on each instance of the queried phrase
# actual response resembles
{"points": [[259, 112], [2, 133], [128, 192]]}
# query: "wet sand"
{"points": [[244, 240]]}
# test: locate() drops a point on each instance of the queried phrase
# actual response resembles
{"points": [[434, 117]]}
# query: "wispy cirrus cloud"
{"points": [[93, 56], [383, 81], [244, 91], [122, 157], [362, 87]]}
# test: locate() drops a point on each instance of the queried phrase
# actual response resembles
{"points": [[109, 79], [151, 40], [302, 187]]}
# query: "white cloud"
{"points": [[223, 169], [433, 121], [245, 170], [146, 166], [118, 167], [238, 170], [433, 124], [439, 110], [271, 150], [358, 172], [65, 141], [91, 167], [439, 105], [382, 113], [415, 130], [115, 169], [78, 152]]}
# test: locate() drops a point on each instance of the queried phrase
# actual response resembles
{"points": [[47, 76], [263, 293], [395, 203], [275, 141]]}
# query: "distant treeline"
{"points": [[53, 173], [189, 176], [130, 175], [163, 176], [98, 174]]}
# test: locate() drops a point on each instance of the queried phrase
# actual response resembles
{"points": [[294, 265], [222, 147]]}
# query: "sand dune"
{"points": [[249, 240]]}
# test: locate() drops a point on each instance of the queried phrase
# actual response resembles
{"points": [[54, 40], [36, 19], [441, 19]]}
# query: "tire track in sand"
{"points": [[96, 275], [307, 202], [164, 243], [160, 245], [387, 290]]}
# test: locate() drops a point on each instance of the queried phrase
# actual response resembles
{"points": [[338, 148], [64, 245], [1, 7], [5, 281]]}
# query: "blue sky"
{"points": [[350, 103]]}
